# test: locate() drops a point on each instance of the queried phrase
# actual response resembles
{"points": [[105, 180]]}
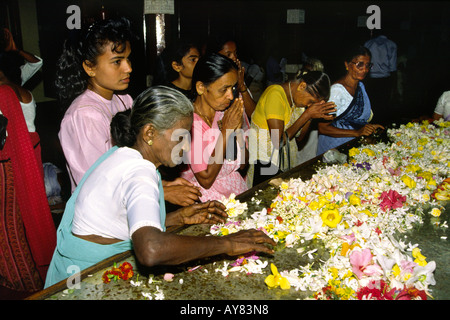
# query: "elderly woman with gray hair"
{"points": [[119, 204]]}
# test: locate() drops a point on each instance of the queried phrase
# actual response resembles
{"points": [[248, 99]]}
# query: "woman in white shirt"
{"points": [[11, 75], [119, 203]]}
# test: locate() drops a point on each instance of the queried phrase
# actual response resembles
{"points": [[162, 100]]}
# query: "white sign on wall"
{"points": [[159, 6], [295, 16]]}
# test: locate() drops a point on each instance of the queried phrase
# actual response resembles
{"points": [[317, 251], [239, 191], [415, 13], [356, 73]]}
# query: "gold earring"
{"points": [[150, 142], [91, 74]]}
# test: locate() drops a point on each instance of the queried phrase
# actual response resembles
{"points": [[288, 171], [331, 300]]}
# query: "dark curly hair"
{"points": [[10, 63], [71, 79]]}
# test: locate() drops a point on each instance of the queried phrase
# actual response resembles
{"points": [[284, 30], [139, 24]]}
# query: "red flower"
{"points": [[125, 272], [391, 200]]}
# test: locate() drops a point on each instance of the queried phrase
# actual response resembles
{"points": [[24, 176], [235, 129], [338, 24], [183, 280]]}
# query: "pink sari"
{"points": [[203, 142]]}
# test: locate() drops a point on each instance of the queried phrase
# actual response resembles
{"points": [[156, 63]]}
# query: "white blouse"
{"points": [[120, 196]]}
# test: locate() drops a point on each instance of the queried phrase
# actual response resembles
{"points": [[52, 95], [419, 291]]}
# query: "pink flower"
{"points": [[168, 277], [391, 200], [362, 263], [349, 238]]}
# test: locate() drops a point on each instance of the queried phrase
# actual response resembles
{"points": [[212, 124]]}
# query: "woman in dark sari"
{"points": [[352, 102]]}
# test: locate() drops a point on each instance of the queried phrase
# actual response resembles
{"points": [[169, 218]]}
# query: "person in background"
{"points": [[92, 77], [274, 66], [119, 204], [310, 64], [381, 80], [216, 157], [11, 75], [26, 224], [442, 109], [282, 117], [226, 46], [307, 148], [31, 64], [354, 111], [179, 61]]}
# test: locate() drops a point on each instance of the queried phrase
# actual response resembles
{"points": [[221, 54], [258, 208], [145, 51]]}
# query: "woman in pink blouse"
{"points": [[88, 77], [216, 156], [91, 76]]}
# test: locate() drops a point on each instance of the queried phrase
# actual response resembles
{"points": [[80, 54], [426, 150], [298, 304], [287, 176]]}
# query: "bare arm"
{"points": [[326, 128], [315, 111], [249, 103], [153, 247]]}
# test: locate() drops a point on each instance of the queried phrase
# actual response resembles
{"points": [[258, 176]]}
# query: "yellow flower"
{"points": [[322, 201], [396, 270], [331, 217], [408, 181], [368, 212], [275, 279], [284, 185], [354, 200], [353, 152], [406, 276], [313, 205], [369, 152], [420, 259], [435, 212], [423, 141], [412, 168], [334, 272]]}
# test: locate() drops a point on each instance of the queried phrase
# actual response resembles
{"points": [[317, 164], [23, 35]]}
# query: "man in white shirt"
{"points": [[380, 81]]}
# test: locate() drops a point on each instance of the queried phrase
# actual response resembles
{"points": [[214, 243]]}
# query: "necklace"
{"points": [[203, 116], [290, 93]]}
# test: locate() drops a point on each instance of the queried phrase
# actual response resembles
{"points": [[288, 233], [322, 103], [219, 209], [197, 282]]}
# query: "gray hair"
{"points": [[160, 106]]}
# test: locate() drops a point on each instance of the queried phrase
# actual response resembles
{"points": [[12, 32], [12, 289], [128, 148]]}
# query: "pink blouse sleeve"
{"points": [[84, 137]]}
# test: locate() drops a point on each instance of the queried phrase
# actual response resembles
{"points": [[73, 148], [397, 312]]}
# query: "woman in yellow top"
{"points": [[281, 118]]}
